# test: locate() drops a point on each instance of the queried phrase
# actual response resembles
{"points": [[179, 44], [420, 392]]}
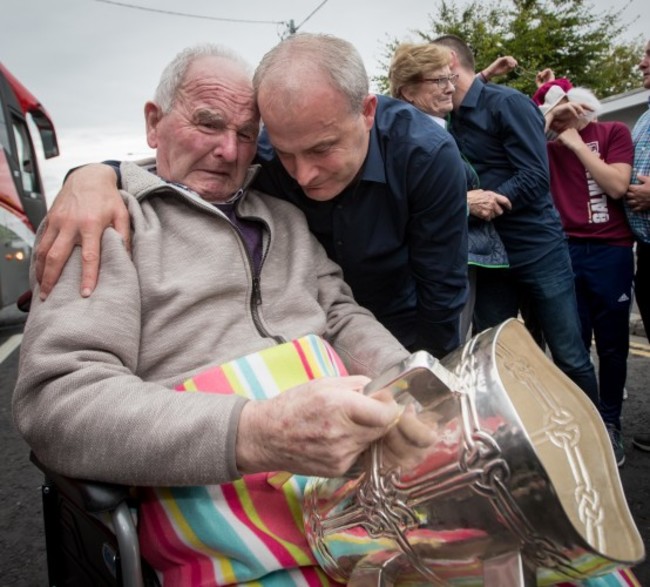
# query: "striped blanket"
{"points": [[250, 532]]}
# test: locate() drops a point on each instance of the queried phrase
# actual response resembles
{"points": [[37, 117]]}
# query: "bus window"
{"points": [[4, 136], [25, 156]]}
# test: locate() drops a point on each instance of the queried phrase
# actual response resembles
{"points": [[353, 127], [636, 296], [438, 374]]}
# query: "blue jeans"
{"points": [[548, 287], [604, 275]]}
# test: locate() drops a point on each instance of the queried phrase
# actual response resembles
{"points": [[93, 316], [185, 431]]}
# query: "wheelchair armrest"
{"points": [[93, 496]]}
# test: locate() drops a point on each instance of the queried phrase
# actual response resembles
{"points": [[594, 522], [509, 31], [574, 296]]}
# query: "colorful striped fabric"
{"points": [[620, 578], [249, 532]]}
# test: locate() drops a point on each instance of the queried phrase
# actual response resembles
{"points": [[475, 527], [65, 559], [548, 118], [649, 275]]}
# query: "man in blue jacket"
{"points": [[501, 132]]}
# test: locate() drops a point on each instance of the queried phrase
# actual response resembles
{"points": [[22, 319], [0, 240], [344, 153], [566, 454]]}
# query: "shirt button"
{"points": [[339, 243]]}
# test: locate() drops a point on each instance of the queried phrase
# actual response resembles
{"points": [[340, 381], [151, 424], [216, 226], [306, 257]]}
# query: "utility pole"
{"points": [[291, 29]]}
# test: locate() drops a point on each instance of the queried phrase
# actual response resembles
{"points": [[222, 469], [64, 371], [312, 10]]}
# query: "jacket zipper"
{"points": [[256, 294]]}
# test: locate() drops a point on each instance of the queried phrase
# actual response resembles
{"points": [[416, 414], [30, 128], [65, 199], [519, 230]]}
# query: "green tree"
{"points": [[569, 36]]}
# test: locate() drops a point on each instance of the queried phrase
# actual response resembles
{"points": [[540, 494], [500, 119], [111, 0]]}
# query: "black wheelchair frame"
{"points": [[81, 549]]}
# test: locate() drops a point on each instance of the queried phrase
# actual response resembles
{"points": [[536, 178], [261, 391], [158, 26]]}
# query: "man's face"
{"points": [[208, 139], [321, 144], [644, 66]]}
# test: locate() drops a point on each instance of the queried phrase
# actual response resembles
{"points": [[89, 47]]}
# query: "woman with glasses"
{"points": [[420, 74]]}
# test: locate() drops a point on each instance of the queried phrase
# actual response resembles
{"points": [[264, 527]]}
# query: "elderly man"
{"points": [[501, 132], [218, 270], [382, 186]]}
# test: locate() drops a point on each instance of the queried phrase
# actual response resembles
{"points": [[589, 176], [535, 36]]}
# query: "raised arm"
{"points": [[614, 177], [566, 115], [87, 204], [500, 66], [546, 75]]}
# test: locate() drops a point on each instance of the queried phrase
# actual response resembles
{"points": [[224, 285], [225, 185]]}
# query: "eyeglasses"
{"points": [[442, 81]]}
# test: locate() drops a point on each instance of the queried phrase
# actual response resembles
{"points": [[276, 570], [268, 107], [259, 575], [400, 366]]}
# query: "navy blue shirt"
{"points": [[399, 231], [501, 133]]}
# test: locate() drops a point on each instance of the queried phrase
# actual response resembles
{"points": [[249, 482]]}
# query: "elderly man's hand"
{"points": [[638, 194], [87, 204], [318, 428], [487, 205]]}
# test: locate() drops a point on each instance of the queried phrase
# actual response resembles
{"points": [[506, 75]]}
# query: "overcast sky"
{"points": [[93, 64]]}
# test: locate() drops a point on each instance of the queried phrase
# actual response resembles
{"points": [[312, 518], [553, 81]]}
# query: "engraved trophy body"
{"points": [[519, 488]]}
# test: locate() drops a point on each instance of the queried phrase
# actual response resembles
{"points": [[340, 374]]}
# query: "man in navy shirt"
{"points": [[501, 132], [382, 186]]}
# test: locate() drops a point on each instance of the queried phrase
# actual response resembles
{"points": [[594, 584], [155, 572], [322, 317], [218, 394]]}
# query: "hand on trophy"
{"points": [[409, 439], [409, 442], [319, 428]]}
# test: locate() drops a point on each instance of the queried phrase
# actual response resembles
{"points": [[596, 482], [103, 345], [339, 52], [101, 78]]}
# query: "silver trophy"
{"points": [[519, 488]]}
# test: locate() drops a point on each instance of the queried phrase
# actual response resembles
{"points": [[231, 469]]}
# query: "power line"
{"points": [[187, 15], [291, 28], [312, 13]]}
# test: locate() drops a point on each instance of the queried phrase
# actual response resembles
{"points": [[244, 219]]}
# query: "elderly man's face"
{"points": [[319, 142], [209, 138]]}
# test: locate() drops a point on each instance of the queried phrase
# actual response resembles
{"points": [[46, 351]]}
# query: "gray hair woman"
{"points": [[421, 75]]}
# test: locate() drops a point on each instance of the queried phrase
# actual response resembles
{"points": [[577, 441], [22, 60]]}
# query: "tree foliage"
{"points": [[569, 36]]}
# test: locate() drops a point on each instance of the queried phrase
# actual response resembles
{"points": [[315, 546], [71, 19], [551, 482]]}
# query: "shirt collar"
{"points": [[472, 96], [373, 166], [438, 120]]}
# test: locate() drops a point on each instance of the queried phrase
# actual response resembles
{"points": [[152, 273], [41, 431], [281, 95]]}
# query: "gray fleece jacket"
{"points": [[94, 397]]}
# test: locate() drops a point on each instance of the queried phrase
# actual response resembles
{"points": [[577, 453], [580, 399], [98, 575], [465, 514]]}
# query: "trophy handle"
{"points": [[420, 377]]}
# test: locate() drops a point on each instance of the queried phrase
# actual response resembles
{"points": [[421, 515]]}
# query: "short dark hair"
{"points": [[461, 48]]}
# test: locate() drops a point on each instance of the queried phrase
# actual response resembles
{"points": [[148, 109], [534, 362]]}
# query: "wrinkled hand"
{"points": [[546, 75], [87, 204], [487, 205], [318, 428], [638, 194]]}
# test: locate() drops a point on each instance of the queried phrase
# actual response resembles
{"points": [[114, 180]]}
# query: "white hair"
{"points": [[173, 75]]}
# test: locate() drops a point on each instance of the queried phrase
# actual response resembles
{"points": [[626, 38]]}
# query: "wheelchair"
{"points": [[90, 534]]}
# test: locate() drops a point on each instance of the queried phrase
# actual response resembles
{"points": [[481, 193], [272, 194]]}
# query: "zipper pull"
{"points": [[257, 292]]}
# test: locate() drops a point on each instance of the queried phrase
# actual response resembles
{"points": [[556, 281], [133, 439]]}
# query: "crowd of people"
{"points": [[377, 225]]}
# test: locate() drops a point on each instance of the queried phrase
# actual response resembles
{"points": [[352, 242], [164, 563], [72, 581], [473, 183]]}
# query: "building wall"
{"points": [[625, 107]]}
